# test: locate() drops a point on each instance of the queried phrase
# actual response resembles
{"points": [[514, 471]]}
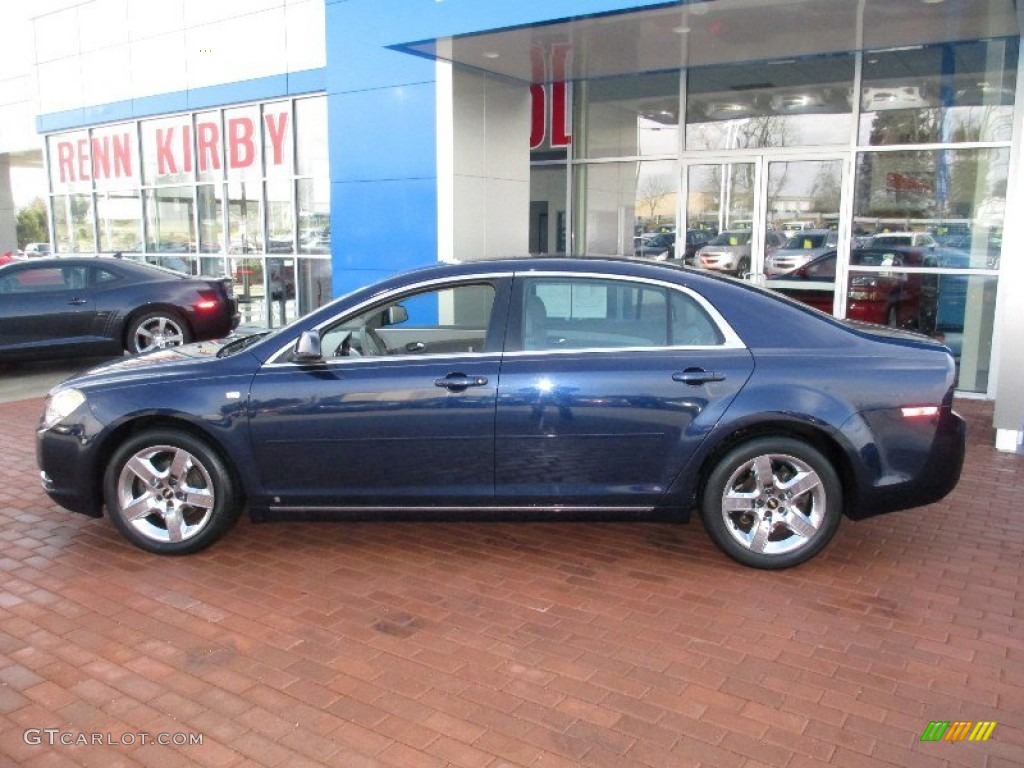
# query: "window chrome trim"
{"points": [[731, 340], [274, 361]]}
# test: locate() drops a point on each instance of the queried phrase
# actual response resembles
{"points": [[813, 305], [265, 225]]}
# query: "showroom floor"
{"points": [[511, 644]]}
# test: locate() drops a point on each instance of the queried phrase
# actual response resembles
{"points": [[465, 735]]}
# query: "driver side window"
{"points": [[439, 321]]}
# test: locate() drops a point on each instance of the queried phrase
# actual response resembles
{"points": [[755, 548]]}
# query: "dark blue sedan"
{"points": [[546, 385]]}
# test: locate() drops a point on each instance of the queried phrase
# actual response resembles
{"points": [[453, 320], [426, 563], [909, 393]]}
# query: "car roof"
{"points": [[124, 265]]}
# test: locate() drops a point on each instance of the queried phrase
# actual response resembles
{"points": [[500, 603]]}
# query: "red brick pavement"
{"points": [[492, 644]]}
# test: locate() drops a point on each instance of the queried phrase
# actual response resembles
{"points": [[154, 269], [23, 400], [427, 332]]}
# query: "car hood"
{"points": [[183, 361]]}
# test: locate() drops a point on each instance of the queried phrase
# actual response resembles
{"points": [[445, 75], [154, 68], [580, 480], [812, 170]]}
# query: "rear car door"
{"points": [[400, 414], [607, 387]]}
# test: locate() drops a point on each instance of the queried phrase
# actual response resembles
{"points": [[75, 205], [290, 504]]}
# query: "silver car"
{"points": [[803, 247], [729, 251]]}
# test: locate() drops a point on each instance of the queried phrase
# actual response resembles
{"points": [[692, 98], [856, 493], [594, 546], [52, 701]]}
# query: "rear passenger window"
{"points": [[590, 313]]}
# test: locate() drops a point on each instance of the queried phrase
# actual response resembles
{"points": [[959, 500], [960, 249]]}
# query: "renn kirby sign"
{"points": [[172, 147]]}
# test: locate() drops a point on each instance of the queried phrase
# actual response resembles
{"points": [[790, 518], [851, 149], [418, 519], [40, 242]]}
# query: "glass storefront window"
{"points": [[184, 191], [119, 221], [627, 116], [795, 102], [955, 92], [167, 156], [242, 145], [547, 209], [314, 198], [72, 223], [314, 284], [624, 201], [949, 202], [170, 225], [209, 146], [70, 162], [280, 212], [245, 220], [210, 199], [311, 137], [278, 143]]}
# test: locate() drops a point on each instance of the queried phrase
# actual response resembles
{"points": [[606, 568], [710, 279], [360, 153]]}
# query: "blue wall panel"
{"points": [[382, 120], [386, 133], [389, 226]]}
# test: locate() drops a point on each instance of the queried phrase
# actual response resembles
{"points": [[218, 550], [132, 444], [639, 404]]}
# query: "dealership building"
{"points": [[308, 147]]}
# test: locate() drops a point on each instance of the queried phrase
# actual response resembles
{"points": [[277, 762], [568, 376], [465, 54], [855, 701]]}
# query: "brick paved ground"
{"points": [[503, 644]]}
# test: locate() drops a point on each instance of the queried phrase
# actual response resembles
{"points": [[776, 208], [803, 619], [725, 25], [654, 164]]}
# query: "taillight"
{"points": [[919, 411], [207, 300]]}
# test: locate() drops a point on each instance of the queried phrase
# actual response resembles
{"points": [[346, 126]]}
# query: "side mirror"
{"points": [[395, 314], [307, 348]]}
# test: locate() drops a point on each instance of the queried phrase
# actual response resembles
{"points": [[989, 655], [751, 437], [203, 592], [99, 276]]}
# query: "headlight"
{"points": [[60, 406]]}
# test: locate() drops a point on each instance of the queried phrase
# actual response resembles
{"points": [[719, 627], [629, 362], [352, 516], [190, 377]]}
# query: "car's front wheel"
{"points": [[772, 502], [156, 330], [170, 493]]}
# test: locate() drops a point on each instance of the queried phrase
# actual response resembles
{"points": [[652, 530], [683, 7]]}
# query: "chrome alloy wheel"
{"points": [[773, 504], [165, 494], [158, 332]]}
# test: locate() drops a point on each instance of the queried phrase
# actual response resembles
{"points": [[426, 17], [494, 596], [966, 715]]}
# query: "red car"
{"points": [[884, 297]]}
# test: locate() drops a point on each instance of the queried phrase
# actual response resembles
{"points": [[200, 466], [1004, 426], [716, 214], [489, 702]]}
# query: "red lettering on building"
{"points": [[207, 140], [84, 160], [122, 148], [186, 148], [241, 148], [538, 98], [550, 102], [100, 148], [172, 148], [165, 162], [276, 131], [66, 161], [560, 135]]}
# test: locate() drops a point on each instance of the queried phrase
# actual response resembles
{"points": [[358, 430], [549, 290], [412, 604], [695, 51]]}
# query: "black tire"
{"points": [[742, 267], [168, 492], [761, 526], [155, 330]]}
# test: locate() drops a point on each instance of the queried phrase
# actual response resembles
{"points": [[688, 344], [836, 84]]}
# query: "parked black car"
{"points": [[60, 307], [562, 385]]}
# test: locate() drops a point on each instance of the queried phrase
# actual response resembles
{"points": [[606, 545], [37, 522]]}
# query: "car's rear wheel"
{"points": [[156, 330], [743, 267], [772, 502], [169, 492]]}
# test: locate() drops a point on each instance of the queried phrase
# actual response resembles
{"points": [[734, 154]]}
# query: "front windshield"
{"points": [[731, 238]]}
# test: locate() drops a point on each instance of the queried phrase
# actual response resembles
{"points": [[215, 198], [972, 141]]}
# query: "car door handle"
{"points": [[457, 382], [78, 300], [697, 376], [415, 346]]}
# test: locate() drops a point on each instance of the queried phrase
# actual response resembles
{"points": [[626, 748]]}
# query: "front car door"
{"points": [[607, 387], [400, 413], [45, 308]]}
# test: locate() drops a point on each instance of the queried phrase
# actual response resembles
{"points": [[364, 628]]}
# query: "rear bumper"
{"points": [[929, 482]]}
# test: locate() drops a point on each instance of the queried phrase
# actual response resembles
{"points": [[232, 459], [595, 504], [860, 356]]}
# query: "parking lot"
{"points": [[483, 643]]}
